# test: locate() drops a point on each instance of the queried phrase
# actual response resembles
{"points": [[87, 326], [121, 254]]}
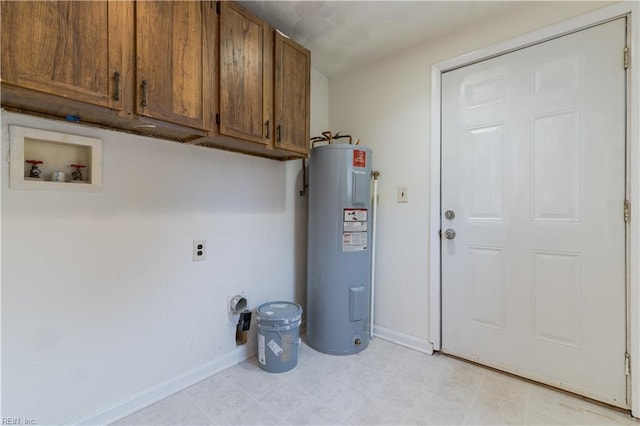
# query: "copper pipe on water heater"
{"points": [[329, 137]]}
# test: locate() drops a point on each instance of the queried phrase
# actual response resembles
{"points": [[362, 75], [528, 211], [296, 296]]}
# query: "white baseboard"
{"points": [[403, 339], [149, 396]]}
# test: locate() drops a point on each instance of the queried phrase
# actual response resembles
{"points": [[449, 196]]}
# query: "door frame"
{"points": [[632, 11]]}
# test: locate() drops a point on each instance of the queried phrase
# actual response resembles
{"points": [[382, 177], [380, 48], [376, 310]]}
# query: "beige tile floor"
{"points": [[385, 384]]}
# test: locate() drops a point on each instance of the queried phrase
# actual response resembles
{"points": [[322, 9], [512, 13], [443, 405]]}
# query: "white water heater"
{"points": [[339, 249]]}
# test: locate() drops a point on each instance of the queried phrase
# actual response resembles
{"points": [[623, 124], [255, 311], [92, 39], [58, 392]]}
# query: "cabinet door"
{"points": [[64, 48], [171, 43], [292, 101], [242, 113]]}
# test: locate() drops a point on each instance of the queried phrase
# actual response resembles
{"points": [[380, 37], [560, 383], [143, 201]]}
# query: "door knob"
{"points": [[449, 234]]}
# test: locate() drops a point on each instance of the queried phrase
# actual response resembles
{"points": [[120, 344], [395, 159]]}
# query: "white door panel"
{"points": [[533, 165]]}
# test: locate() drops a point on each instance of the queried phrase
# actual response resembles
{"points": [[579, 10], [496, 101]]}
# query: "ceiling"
{"points": [[344, 35]]}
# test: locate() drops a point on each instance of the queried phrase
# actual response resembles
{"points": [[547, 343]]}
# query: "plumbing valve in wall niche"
{"points": [[76, 175], [35, 172]]}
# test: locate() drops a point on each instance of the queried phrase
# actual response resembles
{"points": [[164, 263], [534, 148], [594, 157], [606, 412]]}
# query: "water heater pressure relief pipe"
{"points": [[376, 175]]}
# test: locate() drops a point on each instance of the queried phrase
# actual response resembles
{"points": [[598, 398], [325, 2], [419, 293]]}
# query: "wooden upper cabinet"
{"points": [[71, 49], [174, 61], [292, 95], [161, 68], [244, 77]]}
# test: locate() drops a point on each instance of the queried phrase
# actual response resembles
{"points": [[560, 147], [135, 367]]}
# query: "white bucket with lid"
{"points": [[278, 335]]}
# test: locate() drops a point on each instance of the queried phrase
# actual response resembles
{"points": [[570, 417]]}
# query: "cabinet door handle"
{"points": [[267, 124], [144, 93], [278, 129], [116, 86]]}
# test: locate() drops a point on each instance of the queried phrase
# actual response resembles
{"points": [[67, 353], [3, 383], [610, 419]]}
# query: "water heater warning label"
{"points": [[355, 215], [359, 158], [354, 231], [354, 241], [355, 226]]}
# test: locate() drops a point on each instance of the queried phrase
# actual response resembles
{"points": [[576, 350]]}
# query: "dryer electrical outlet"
{"points": [[199, 250]]}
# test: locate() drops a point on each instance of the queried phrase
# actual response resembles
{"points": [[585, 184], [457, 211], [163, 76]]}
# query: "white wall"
{"points": [[319, 103], [319, 122], [100, 297], [387, 106]]}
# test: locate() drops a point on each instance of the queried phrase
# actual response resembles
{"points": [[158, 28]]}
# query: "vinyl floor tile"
{"points": [[384, 385]]}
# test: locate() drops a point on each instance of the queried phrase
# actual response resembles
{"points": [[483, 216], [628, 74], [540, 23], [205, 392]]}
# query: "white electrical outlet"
{"points": [[199, 250], [402, 194]]}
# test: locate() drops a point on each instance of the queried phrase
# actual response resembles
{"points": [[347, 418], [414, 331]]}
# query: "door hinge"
{"points": [[218, 7], [627, 364], [217, 119], [626, 58], [627, 211]]}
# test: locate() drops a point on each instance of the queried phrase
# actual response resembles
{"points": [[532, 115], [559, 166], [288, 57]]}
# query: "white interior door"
{"points": [[533, 168]]}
